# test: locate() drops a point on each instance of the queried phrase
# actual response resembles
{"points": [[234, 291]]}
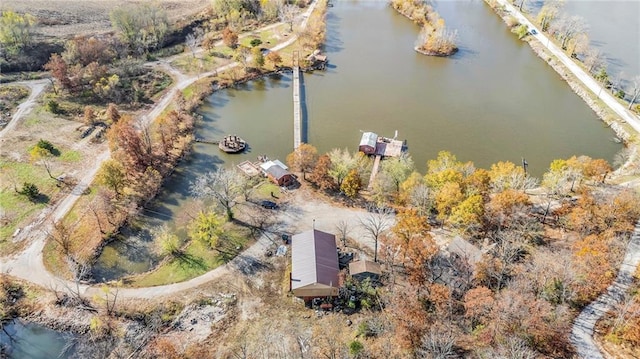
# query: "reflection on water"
{"points": [[613, 28], [21, 340]]}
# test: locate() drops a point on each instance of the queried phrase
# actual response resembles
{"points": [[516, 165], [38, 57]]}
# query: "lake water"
{"points": [[24, 340], [614, 28], [492, 101]]}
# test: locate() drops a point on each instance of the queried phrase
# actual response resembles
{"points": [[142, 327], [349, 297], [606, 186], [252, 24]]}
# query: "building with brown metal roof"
{"points": [[314, 265], [278, 173], [364, 269]]}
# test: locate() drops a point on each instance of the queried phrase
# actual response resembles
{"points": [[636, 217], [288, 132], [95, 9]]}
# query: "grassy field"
{"points": [[69, 18], [17, 209], [196, 259]]}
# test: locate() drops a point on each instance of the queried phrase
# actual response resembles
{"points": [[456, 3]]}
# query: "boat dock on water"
{"points": [[232, 144], [379, 146]]}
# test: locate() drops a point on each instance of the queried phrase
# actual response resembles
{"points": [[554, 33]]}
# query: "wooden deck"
{"points": [[249, 168], [203, 140], [388, 147]]}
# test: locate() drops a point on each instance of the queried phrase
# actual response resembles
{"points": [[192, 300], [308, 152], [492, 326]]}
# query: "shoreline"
{"points": [[605, 113]]}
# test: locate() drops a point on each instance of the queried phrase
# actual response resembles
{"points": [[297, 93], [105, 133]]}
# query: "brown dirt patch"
{"points": [[68, 18]]}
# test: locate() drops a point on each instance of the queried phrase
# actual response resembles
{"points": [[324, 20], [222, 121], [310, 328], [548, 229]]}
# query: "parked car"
{"points": [[269, 205]]}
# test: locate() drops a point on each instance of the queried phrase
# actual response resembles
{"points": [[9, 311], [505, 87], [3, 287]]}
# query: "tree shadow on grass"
{"points": [[41, 198], [229, 251], [186, 260]]}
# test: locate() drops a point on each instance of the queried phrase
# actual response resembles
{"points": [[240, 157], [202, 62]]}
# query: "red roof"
{"points": [[314, 259]]}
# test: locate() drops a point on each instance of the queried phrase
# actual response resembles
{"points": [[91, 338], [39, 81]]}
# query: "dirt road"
{"points": [[36, 87], [300, 214], [583, 326]]}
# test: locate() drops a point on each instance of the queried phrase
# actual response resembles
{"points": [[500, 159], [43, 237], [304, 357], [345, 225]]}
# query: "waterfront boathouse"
{"points": [[372, 144], [278, 172]]}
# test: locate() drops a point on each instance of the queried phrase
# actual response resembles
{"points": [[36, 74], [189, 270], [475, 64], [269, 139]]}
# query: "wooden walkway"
{"points": [[211, 142], [297, 110], [374, 170]]}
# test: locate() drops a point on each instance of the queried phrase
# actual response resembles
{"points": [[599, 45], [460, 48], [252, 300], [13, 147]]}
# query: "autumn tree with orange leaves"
{"points": [[303, 159]]}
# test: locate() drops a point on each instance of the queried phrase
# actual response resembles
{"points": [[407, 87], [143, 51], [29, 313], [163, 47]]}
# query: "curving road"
{"points": [[36, 87], [29, 264], [300, 215], [583, 327]]}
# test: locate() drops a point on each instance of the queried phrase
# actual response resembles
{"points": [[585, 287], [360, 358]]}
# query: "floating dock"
{"points": [[232, 144], [380, 147]]}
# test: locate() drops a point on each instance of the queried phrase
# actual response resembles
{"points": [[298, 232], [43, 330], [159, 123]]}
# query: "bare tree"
{"points": [[222, 185], [248, 186], [62, 235], [422, 199], [437, 345], [109, 297], [522, 2], [568, 27], [625, 311], [72, 295], [375, 224], [616, 82], [194, 39], [594, 59], [513, 348], [94, 207], [287, 14], [548, 13], [45, 158], [343, 228], [634, 91], [507, 251]]}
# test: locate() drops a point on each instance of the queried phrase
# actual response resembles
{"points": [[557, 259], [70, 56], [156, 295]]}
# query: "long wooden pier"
{"points": [[374, 170], [297, 110]]}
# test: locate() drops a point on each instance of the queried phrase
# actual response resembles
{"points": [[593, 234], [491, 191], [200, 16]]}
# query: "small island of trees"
{"points": [[434, 39]]}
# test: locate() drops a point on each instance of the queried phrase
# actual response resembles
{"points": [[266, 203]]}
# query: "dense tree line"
{"points": [[140, 160], [92, 67], [543, 250]]}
